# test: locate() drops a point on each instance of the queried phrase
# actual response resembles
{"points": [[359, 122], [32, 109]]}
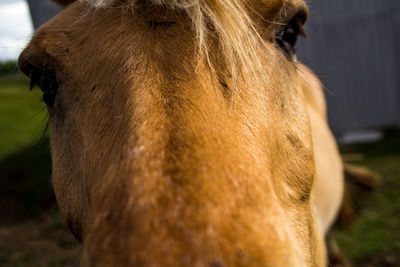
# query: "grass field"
{"points": [[23, 115], [375, 237], [32, 233]]}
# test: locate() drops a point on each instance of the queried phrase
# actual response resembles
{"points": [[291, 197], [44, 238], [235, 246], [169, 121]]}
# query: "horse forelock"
{"points": [[228, 20]]}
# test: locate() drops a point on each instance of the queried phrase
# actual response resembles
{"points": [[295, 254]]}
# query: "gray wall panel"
{"points": [[353, 47], [42, 11]]}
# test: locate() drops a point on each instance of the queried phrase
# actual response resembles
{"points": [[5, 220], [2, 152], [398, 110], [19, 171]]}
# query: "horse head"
{"points": [[179, 135]]}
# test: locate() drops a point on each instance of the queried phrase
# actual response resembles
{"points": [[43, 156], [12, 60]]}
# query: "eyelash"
{"points": [[47, 83], [286, 37]]}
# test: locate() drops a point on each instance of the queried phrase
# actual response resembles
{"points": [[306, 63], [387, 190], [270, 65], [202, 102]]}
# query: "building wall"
{"points": [[42, 11], [354, 48]]}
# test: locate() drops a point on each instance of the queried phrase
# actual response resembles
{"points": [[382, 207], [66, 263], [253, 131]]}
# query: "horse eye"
{"points": [[287, 36], [47, 82]]}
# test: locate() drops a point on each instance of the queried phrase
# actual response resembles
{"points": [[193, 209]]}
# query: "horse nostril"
{"points": [[216, 264]]}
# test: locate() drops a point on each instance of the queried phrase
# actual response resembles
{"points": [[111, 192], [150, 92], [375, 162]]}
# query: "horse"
{"points": [[187, 133]]}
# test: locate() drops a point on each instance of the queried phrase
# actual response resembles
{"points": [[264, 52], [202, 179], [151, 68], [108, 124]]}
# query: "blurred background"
{"points": [[353, 46]]}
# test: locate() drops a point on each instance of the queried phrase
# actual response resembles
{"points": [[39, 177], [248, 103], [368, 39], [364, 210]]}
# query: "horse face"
{"points": [[160, 159]]}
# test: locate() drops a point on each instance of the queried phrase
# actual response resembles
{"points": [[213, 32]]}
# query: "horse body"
{"points": [[164, 158], [329, 183]]}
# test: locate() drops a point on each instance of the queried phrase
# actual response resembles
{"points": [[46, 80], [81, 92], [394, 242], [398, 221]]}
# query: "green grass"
{"points": [[25, 164], [23, 116], [377, 231]]}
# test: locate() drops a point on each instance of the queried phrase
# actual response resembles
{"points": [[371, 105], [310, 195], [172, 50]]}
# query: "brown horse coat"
{"points": [[181, 134]]}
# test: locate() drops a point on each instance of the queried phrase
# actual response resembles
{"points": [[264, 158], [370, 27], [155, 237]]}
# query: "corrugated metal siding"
{"points": [[353, 47]]}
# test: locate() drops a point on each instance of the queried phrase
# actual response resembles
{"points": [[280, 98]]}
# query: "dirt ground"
{"points": [[391, 260], [47, 242], [43, 241]]}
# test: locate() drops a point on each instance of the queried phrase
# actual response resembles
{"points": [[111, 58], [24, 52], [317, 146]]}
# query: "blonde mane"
{"points": [[228, 20]]}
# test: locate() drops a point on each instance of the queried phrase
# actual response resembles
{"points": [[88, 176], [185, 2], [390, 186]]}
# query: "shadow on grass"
{"points": [[32, 232], [25, 183]]}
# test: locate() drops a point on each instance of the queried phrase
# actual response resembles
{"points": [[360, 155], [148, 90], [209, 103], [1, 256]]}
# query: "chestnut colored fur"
{"points": [[162, 157]]}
